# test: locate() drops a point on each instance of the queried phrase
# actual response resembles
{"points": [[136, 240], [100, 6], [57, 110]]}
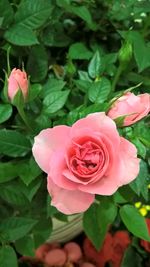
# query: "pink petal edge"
{"points": [[46, 142], [69, 202]]}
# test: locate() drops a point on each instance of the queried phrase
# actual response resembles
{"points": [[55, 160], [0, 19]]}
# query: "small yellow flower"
{"points": [[147, 207], [138, 205], [97, 79], [143, 211], [148, 186]]}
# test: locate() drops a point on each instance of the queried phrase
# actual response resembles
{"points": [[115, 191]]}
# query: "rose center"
{"points": [[86, 158]]}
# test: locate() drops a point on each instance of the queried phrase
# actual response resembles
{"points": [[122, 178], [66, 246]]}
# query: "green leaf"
{"points": [[9, 170], [92, 230], [25, 246], [43, 121], [127, 193], [131, 258], [118, 198], [83, 85], [30, 190], [92, 109], [139, 249], [13, 143], [139, 185], [99, 91], [42, 230], [29, 171], [6, 13], [80, 11], [5, 112], [84, 14], [55, 35], [34, 91], [70, 67], [39, 58], [140, 147], [61, 217], [95, 66], [16, 227], [12, 194], [73, 116], [8, 257], [141, 50], [1, 21], [52, 85], [83, 75], [55, 101], [79, 51], [97, 219], [21, 35], [142, 132], [134, 222], [107, 212], [51, 210], [33, 14]]}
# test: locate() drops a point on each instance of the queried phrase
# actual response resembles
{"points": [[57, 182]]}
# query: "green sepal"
{"points": [[120, 120], [125, 53], [18, 99], [5, 89]]}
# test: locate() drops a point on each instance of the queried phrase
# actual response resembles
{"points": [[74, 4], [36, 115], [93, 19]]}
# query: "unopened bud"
{"points": [[125, 53], [17, 81]]}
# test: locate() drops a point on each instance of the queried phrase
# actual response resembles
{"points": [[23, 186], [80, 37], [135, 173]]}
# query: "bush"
{"points": [[75, 57]]}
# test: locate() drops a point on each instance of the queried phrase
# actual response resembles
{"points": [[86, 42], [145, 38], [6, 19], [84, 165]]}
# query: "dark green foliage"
{"points": [[72, 52]]}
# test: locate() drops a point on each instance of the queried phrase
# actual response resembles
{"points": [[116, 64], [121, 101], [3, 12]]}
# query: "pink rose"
{"points": [[17, 81], [83, 160], [135, 107]]}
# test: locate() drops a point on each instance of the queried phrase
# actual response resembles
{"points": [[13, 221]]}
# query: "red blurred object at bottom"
{"points": [[146, 244], [73, 255], [99, 257], [121, 241], [112, 250]]}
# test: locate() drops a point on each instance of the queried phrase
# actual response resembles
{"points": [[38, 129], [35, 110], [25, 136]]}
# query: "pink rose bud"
{"points": [[74, 252], [87, 264], [41, 251], [133, 107], [55, 257], [17, 81]]}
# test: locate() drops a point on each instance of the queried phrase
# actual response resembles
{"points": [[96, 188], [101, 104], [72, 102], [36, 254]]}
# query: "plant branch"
{"points": [[116, 77], [24, 117]]}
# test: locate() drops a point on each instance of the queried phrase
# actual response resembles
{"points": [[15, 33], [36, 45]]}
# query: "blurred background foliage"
{"points": [[79, 54]]}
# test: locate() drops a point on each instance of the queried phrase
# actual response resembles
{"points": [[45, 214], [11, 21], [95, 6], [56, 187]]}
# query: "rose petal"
{"points": [[13, 86], [48, 141], [105, 186], [69, 202], [98, 122], [58, 165], [129, 163], [104, 145], [145, 101], [124, 171]]}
